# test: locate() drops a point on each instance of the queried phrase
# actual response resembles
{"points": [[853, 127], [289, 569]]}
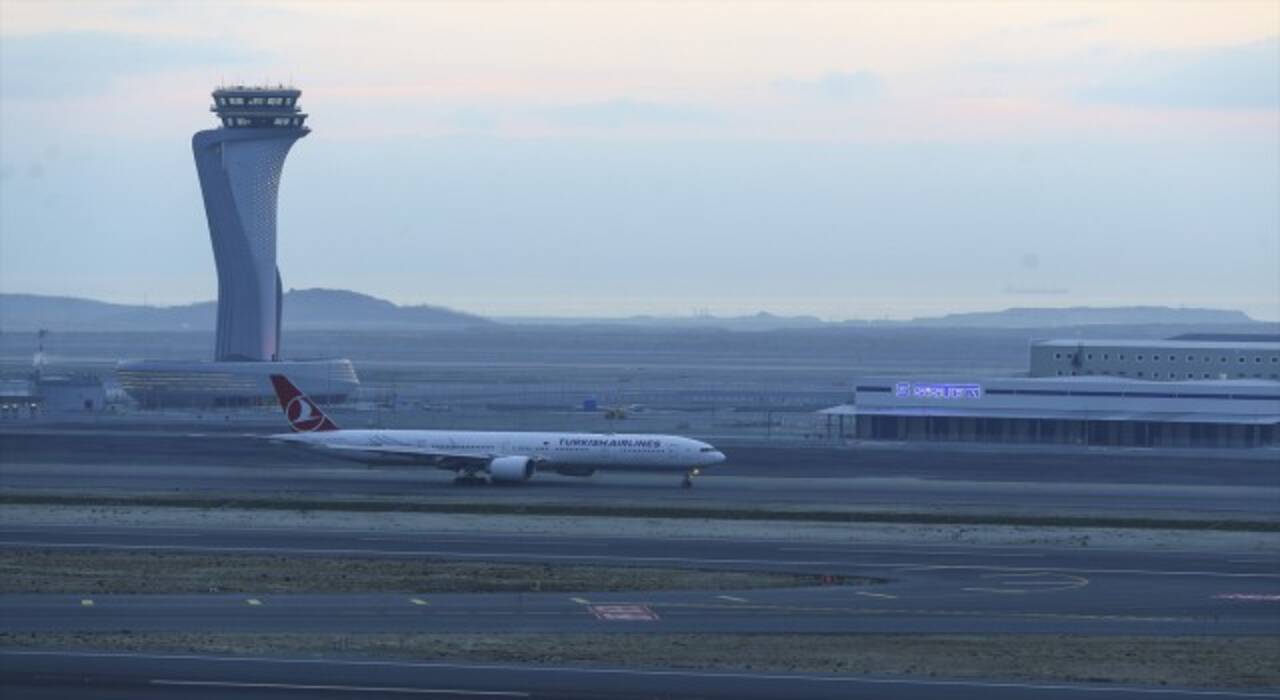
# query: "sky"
{"points": [[849, 160]]}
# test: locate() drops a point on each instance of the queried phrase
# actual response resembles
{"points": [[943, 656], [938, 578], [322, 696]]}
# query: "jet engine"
{"points": [[511, 469]]}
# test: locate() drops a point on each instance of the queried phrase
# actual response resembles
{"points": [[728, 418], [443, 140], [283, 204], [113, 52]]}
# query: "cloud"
{"points": [[628, 112], [1072, 24], [852, 86], [1236, 77], [72, 64]]}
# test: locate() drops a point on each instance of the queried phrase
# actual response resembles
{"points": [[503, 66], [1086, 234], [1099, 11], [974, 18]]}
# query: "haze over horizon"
{"points": [[558, 159]]}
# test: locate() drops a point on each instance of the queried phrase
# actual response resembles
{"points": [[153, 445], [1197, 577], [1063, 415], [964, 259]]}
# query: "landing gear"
{"points": [[471, 478], [688, 478]]}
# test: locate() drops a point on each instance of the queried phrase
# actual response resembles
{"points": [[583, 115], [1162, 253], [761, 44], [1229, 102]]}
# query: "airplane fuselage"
{"points": [[548, 451]]}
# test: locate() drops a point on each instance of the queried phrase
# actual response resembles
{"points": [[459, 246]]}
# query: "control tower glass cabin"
{"points": [[239, 165]]}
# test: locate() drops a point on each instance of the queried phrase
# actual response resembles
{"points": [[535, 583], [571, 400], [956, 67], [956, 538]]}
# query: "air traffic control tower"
{"points": [[239, 165]]}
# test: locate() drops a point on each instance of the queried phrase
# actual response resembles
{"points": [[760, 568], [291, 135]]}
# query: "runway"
{"points": [[933, 588], [913, 589], [1007, 482], [39, 674]]}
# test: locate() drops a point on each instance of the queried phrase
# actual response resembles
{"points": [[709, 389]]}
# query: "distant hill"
{"points": [[1008, 318], [336, 309], [762, 321], [1087, 316], [303, 309]]}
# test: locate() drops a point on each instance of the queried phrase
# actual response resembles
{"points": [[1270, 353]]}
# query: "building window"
{"points": [[1240, 360], [1191, 358], [1139, 358], [1139, 374], [1122, 358], [1089, 356], [1106, 356]]}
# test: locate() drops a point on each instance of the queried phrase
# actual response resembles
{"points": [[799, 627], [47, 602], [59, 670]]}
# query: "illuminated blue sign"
{"points": [[909, 390]]}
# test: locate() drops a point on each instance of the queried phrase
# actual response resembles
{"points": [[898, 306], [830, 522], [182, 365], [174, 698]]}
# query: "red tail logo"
{"points": [[303, 414]]}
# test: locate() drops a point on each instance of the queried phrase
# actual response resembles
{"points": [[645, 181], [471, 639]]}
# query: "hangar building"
{"points": [[1161, 360], [1130, 399]]}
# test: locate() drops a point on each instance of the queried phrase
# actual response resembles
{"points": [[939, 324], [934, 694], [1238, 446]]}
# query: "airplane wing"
{"points": [[418, 455]]}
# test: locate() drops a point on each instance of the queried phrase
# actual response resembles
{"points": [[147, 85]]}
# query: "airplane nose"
{"points": [[717, 457]]}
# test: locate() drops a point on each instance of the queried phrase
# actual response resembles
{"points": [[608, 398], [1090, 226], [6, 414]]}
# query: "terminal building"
{"points": [[178, 384], [1114, 398], [239, 165], [1162, 360]]}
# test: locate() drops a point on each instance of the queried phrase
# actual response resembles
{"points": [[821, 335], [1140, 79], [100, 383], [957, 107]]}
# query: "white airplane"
{"points": [[491, 456]]}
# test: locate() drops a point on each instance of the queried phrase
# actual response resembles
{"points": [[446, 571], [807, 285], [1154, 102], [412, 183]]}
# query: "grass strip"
{"points": [[98, 572], [625, 511]]}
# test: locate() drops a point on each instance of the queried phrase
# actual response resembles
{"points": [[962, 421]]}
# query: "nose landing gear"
{"points": [[688, 478]]}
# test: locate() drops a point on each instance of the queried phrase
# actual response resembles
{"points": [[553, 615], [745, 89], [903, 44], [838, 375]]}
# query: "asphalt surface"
{"points": [[935, 589], [40, 674], [1080, 483]]}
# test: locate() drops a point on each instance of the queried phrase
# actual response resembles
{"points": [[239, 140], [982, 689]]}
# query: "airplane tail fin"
{"points": [[303, 414]]}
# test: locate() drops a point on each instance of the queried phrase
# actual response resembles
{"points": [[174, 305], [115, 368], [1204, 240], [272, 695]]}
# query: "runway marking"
{"points": [[1012, 581], [920, 612], [1248, 596], [581, 601], [956, 552], [418, 601], [480, 542], [342, 688], [624, 613], [651, 673], [86, 602], [899, 565], [732, 598], [869, 594], [253, 601]]}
